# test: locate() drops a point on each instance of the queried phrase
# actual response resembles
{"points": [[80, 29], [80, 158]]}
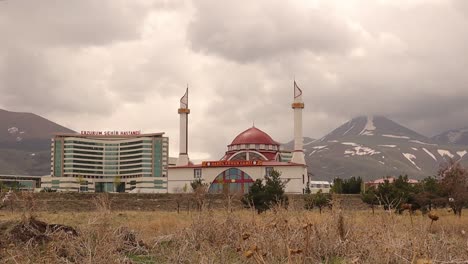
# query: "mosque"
{"points": [[252, 155]]}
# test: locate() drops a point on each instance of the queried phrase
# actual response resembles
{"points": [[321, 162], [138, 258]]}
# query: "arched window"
{"points": [[255, 156], [231, 180], [240, 156], [252, 155]]}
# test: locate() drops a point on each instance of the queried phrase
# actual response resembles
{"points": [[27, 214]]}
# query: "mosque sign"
{"points": [[232, 163], [110, 133]]}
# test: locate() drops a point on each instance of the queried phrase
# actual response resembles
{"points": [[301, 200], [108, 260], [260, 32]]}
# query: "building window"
{"points": [[262, 146], [268, 171], [197, 173]]}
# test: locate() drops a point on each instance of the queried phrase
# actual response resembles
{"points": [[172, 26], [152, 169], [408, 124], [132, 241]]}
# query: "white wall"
{"points": [[179, 177]]}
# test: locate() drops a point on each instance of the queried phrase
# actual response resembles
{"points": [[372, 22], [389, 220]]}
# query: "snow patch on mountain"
{"points": [[462, 153], [369, 128], [319, 147], [350, 144], [13, 130], [346, 132], [415, 149], [387, 146], [411, 157], [430, 154], [361, 151], [444, 152], [393, 136], [424, 143]]}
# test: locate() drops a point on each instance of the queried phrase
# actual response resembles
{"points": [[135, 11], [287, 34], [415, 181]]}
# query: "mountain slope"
{"points": [[454, 136], [25, 143], [375, 146], [290, 144]]}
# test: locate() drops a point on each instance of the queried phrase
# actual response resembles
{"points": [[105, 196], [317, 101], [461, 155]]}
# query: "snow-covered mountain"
{"points": [[454, 136], [375, 146]]}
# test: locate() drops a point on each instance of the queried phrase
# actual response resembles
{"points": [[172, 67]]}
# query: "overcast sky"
{"points": [[123, 65]]}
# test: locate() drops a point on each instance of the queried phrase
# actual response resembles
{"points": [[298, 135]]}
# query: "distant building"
{"points": [[109, 162], [315, 186], [20, 182], [389, 179]]}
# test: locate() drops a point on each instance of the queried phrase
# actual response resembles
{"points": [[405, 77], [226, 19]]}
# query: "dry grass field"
{"points": [[241, 236]]}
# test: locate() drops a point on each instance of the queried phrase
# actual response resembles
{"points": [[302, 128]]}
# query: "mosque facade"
{"points": [[252, 155]]}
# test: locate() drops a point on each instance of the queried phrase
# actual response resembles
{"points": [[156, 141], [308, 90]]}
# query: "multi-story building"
{"points": [[109, 161]]}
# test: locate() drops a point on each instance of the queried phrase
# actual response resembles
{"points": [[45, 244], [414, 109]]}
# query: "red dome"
{"points": [[253, 135]]}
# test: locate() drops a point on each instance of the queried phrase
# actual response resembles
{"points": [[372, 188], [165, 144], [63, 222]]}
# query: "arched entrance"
{"points": [[231, 180]]}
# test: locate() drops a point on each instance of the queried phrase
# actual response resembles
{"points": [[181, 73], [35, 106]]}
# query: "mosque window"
{"points": [[197, 173], [252, 146], [239, 156], [257, 146], [262, 146], [255, 156], [232, 180]]}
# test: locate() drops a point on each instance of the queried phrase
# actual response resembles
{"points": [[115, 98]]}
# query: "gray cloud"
{"points": [[69, 23], [247, 31]]}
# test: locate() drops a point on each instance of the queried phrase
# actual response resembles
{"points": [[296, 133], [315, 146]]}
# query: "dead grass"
{"points": [[279, 236]]}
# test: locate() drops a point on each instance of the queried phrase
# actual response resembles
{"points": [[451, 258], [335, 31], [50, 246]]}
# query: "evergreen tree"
{"points": [[370, 198], [265, 196], [318, 199], [337, 185]]}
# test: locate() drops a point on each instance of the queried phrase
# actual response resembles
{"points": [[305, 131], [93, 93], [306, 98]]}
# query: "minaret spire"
{"points": [[184, 111], [298, 105]]}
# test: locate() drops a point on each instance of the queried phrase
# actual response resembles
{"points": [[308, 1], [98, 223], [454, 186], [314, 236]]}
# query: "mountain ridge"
{"points": [[453, 136], [25, 142], [373, 147]]}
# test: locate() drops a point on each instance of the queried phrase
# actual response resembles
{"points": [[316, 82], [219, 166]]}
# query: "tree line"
{"points": [[449, 188]]}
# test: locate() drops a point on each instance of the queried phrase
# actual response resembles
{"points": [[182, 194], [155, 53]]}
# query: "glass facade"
{"points": [[231, 180], [107, 158], [58, 158]]}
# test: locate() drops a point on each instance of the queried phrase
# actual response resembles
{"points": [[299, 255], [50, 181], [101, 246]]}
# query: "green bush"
{"points": [[265, 196]]}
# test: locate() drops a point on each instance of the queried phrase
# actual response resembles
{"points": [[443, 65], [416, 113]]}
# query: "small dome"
{"points": [[253, 135]]}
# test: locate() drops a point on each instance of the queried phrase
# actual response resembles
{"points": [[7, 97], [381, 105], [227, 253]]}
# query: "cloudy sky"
{"points": [[119, 64]]}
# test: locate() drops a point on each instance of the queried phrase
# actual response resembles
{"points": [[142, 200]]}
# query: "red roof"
{"points": [[253, 135]]}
